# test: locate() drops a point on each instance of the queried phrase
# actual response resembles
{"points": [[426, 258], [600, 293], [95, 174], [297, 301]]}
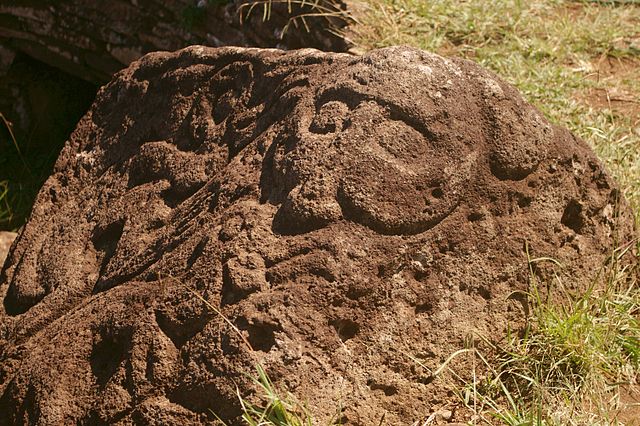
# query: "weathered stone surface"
{"points": [[344, 213]]}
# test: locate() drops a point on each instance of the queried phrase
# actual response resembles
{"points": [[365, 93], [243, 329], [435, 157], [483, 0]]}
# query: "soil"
{"points": [[348, 215], [612, 74], [629, 413]]}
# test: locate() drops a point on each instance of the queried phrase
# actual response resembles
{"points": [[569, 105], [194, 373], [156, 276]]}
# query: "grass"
{"points": [[276, 409], [300, 12], [5, 206], [15, 199], [326, 9]]}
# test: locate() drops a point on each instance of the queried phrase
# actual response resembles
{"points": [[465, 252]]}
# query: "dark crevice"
{"points": [[346, 328], [108, 352], [572, 217], [389, 390], [179, 331], [105, 240], [197, 251]]}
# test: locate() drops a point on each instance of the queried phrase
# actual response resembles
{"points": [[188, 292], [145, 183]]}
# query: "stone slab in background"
{"points": [[342, 212]]}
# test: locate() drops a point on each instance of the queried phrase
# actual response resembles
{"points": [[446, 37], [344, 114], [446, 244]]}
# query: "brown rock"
{"points": [[343, 213]]}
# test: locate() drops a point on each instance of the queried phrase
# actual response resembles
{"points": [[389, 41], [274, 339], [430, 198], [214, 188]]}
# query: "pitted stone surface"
{"points": [[342, 212]]}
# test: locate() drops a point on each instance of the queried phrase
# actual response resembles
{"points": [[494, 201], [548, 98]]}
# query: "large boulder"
{"points": [[346, 214]]}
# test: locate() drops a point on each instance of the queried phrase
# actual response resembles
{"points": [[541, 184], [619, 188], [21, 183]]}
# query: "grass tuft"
{"points": [[5, 205], [327, 9], [276, 410], [14, 199]]}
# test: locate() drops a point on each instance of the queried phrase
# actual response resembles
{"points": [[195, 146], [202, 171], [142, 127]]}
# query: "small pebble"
{"points": [[445, 414]]}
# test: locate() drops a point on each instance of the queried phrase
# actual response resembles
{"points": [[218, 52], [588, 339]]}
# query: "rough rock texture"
{"points": [[6, 238], [344, 213]]}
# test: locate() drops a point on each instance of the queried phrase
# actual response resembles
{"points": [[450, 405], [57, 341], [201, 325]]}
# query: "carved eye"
{"points": [[330, 118], [398, 181]]}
